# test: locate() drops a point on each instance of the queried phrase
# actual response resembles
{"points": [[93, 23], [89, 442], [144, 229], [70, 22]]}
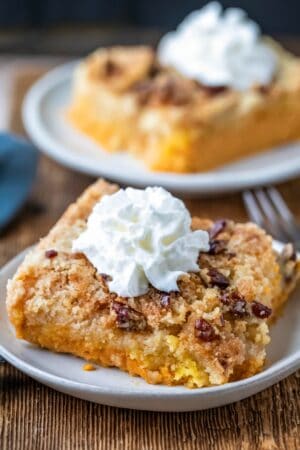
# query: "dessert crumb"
{"points": [[88, 367]]}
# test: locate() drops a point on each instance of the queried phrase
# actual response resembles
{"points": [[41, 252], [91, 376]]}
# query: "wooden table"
{"points": [[33, 416]]}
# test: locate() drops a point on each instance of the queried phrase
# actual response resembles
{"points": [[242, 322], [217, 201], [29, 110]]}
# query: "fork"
{"points": [[267, 208]]}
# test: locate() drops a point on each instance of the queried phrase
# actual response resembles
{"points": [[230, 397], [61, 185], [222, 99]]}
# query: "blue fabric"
{"points": [[18, 164]]}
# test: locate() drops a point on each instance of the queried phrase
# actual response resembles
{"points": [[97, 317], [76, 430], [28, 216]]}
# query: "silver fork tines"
{"points": [[267, 208]]}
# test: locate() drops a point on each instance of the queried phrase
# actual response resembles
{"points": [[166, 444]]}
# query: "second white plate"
{"points": [[43, 115]]}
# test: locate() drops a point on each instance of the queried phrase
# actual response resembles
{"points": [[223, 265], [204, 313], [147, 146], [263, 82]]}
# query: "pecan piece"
{"points": [[263, 89], [211, 91], [261, 311], [213, 278], [239, 308], [167, 92], [237, 305], [154, 70], [101, 304], [204, 330], [217, 228], [51, 253], [218, 279], [225, 298], [165, 300], [143, 90], [217, 246], [105, 277], [110, 68], [128, 318]]}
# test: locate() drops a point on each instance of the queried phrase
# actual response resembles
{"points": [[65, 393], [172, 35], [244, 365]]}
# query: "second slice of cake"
{"points": [[213, 92]]}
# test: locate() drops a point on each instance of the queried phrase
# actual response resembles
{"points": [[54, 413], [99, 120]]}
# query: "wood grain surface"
{"points": [[33, 416]]}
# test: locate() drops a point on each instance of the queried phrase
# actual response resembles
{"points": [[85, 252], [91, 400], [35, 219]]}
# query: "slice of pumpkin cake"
{"points": [[127, 279]]}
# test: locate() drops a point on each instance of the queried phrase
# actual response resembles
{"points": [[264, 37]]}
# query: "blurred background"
{"points": [[37, 35], [74, 27]]}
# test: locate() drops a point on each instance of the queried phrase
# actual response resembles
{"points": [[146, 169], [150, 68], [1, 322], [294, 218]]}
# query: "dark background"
{"points": [[275, 16], [76, 27]]}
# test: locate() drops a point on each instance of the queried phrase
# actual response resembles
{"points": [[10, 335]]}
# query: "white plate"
{"points": [[116, 388], [43, 115]]}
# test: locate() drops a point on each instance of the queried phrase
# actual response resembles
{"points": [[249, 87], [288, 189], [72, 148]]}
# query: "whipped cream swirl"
{"points": [[141, 237], [219, 49]]}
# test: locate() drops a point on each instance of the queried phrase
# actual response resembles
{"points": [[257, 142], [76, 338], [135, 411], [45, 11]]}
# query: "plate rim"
{"points": [[274, 373], [199, 183]]}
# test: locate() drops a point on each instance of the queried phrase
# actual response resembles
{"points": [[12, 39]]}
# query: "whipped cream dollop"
{"points": [[141, 237], [219, 48]]}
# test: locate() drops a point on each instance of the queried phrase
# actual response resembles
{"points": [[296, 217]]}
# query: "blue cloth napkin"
{"points": [[18, 164]]}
